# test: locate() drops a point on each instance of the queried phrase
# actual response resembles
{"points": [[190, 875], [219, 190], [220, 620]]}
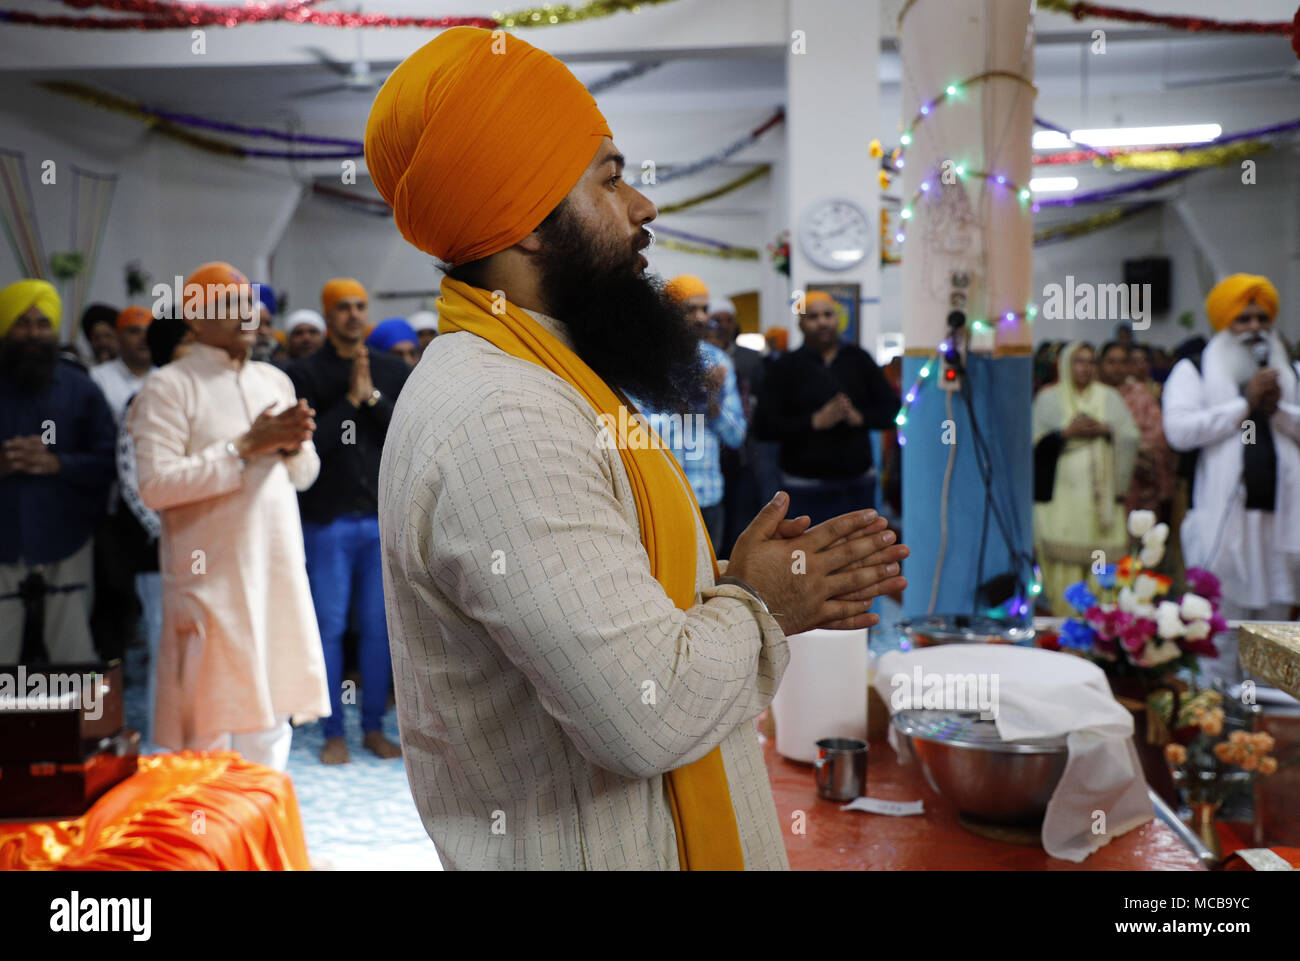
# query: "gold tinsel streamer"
{"points": [[552, 13], [1087, 225], [726, 188], [123, 106], [1186, 159], [725, 253]]}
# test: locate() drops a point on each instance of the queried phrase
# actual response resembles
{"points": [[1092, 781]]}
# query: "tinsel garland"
{"points": [[154, 15], [717, 157], [726, 188], [1077, 228], [1147, 159], [1082, 10], [724, 252], [1191, 159]]}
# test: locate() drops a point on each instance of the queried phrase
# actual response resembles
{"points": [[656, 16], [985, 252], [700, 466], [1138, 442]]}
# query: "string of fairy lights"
{"points": [[963, 176]]}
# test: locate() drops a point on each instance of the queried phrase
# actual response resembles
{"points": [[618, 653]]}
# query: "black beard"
{"points": [[28, 364], [621, 323]]}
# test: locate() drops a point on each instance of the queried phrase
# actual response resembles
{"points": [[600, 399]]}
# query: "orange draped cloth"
{"points": [[178, 812]]}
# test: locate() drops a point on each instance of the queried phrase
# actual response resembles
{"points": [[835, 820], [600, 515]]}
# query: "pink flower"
{"points": [[1135, 635], [1108, 624]]}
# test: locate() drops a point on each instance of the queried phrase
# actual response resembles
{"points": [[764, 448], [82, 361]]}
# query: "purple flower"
{"points": [[1202, 582]]}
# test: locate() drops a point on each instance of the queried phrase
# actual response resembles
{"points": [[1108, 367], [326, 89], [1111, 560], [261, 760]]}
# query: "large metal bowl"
{"points": [[964, 759]]}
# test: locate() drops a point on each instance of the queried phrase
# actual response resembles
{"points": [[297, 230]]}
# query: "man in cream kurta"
{"points": [[240, 651], [533, 632]]}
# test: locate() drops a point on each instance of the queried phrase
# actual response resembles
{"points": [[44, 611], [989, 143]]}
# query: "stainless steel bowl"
{"points": [[964, 759]]}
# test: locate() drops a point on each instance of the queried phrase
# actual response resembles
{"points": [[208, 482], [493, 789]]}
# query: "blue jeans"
{"points": [[823, 499], [344, 567]]}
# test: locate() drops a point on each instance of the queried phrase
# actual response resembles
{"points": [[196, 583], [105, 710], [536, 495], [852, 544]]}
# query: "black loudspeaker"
{"points": [[1153, 271]]}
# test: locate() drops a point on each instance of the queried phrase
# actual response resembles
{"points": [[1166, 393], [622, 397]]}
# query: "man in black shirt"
{"points": [[821, 402], [353, 392]]}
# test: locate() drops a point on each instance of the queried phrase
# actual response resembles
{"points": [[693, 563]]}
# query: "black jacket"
{"points": [[349, 440], [798, 384]]}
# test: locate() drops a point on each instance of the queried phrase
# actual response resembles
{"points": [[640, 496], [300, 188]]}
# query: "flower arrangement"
{"points": [[1132, 627], [779, 252], [1200, 755], [67, 264]]}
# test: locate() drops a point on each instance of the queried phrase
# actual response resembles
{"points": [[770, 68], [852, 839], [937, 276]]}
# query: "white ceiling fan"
{"points": [[356, 76]]}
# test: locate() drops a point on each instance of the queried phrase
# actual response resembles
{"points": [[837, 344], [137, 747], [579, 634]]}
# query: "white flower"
{"points": [[1151, 555], [1145, 587], [1197, 630], [1155, 654], [1144, 610], [1107, 607], [1127, 600], [1168, 623], [1157, 535], [1139, 522], [1195, 608]]}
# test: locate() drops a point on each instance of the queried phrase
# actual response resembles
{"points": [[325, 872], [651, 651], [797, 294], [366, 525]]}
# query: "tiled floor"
{"points": [[360, 815]]}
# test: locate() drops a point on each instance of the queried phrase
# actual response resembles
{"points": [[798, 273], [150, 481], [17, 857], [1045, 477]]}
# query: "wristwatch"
{"points": [[233, 451], [373, 399]]}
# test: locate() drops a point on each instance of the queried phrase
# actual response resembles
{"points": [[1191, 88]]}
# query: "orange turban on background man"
{"points": [[212, 279], [475, 138], [134, 317], [685, 286], [1231, 295], [338, 289]]}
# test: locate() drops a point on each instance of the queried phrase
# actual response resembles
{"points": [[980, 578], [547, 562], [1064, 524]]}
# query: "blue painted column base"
{"points": [[1001, 397]]}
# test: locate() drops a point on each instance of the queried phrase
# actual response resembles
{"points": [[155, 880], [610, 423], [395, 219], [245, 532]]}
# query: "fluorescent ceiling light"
{"points": [[1050, 185], [1127, 136]]}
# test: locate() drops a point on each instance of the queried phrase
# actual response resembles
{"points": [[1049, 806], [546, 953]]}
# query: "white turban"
{"points": [[423, 320], [721, 305], [308, 317]]}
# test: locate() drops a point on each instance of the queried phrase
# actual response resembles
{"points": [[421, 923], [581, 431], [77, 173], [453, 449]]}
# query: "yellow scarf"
{"points": [[698, 794]]}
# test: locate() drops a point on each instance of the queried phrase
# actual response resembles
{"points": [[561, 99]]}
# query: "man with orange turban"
{"points": [[56, 465], [715, 422], [354, 389], [575, 686], [821, 402], [221, 447], [122, 376], [1239, 411]]}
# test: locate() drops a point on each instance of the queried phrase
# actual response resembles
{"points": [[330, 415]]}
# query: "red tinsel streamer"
{"points": [[179, 16], [1295, 33], [1083, 10]]}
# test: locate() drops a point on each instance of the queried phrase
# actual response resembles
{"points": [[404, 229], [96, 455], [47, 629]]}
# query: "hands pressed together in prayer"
{"points": [[1085, 426], [1263, 391], [27, 455], [284, 432], [360, 386], [838, 408], [846, 562]]}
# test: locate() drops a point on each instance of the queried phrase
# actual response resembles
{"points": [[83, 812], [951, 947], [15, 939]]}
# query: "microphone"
{"points": [[1259, 350]]}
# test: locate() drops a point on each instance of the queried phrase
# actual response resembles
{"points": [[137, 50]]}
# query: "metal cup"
{"points": [[841, 768]]}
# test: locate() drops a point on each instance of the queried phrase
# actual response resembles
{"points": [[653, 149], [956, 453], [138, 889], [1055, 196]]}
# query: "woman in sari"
{"points": [[1085, 444]]}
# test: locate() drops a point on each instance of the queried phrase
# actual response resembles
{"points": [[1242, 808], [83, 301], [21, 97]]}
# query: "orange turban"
{"points": [[777, 338], [1230, 297], [339, 288], [134, 317], [475, 138], [216, 274], [685, 286], [817, 297]]}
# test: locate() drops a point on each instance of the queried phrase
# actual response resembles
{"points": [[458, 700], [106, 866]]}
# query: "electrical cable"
{"points": [[943, 511]]}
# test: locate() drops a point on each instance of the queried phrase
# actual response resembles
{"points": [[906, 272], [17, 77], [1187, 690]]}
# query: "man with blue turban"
{"points": [[396, 337]]}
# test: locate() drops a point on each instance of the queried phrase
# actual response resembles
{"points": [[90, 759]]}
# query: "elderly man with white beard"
{"points": [[1239, 410]]}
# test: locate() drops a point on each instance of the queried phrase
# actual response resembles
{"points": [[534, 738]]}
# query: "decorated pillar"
{"points": [[966, 239]]}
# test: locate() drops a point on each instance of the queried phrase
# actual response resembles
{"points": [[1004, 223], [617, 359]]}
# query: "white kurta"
{"points": [[1256, 555], [239, 641], [118, 384], [545, 682]]}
